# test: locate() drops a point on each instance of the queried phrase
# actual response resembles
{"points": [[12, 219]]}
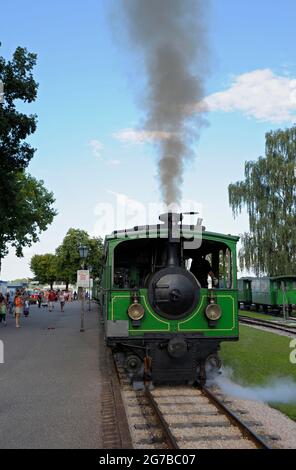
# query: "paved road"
{"points": [[50, 384]]}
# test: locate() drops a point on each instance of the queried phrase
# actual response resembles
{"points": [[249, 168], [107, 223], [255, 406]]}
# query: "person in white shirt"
{"points": [[62, 300]]}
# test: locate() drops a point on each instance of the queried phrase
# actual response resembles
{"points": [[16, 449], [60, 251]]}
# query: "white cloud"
{"points": [[97, 148], [140, 136], [260, 94]]}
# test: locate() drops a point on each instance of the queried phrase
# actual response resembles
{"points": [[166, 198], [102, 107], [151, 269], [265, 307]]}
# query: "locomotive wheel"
{"points": [[213, 365]]}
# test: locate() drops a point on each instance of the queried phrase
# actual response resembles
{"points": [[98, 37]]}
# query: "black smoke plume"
{"points": [[171, 38]]}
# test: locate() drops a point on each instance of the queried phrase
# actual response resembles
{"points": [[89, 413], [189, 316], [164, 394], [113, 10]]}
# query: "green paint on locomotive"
{"points": [[196, 322], [116, 300]]}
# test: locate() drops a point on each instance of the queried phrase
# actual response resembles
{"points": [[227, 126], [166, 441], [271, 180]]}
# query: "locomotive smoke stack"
{"points": [[171, 220], [173, 255], [170, 36]]}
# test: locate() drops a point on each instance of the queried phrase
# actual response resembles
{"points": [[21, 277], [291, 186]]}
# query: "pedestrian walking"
{"points": [[62, 300], [3, 309], [19, 307], [39, 299], [26, 308], [51, 299], [9, 303], [10, 306]]}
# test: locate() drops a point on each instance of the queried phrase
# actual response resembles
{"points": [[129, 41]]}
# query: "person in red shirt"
{"points": [[51, 299]]}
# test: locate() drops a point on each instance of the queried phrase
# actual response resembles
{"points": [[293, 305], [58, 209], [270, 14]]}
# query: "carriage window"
{"points": [[228, 268], [264, 285], [225, 269], [256, 285]]}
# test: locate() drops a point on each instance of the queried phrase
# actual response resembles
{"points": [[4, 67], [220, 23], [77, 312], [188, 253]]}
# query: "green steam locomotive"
{"points": [[167, 298]]}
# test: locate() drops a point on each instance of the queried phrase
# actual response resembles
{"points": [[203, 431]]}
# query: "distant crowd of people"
{"points": [[18, 303]]}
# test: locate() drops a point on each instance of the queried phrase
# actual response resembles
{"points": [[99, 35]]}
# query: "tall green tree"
{"points": [[269, 195], [28, 213], [15, 127], [44, 268], [25, 205], [68, 258]]}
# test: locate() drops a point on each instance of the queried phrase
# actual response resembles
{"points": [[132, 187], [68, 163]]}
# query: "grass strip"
{"points": [[257, 358]]}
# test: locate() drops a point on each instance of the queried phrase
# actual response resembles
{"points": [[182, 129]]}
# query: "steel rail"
{"points": [[267, 324], [170, 438], [235, 420]]}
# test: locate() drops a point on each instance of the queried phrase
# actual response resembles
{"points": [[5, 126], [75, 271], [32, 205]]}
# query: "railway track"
{"points": [[268, 324], [195, 418], [184, 417]]}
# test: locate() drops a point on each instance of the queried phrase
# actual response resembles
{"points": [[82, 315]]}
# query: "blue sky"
{"points": [[89, 86]]}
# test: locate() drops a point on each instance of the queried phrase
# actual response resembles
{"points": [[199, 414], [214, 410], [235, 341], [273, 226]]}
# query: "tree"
{"points": [[269, 194], [68, 259], [27, 213], [19, 84], [19, 280], [44, 268], [25, 205]]}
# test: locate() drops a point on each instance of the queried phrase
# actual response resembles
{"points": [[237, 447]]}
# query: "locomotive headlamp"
{"points": [[213, 312], [136, 311]]}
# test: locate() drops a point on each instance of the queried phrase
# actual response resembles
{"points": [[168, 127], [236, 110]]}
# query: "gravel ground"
{"points": [[280, 429], [143, 425]]}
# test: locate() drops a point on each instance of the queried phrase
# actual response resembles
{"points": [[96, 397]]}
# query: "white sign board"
{"points": [[83, 278]]}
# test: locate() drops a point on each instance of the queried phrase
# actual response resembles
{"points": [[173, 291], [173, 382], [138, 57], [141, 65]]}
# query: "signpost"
{"points": [[83, 278], [82, 283]]}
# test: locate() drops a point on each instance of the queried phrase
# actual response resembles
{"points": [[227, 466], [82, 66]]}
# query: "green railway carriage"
{"points": [[268, 293], [163, 322], [244, 286]]}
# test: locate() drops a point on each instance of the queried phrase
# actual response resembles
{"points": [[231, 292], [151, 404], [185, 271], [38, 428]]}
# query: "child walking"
{"points": [[26, 308], [19, 307], [3, 310]]}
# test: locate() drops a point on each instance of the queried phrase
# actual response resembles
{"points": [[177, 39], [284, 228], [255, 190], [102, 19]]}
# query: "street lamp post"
{"points": [[83, 253], [89, 287]]}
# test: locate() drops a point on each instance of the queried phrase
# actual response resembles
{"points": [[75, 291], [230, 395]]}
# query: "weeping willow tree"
{"points": [[269, 195]]}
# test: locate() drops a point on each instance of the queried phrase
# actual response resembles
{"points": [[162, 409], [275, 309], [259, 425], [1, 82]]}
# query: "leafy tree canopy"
{"points": [[25, 204], [44, 268], [15, 127], [68, 259], [269, 195], [19, 280], [28, 212]]}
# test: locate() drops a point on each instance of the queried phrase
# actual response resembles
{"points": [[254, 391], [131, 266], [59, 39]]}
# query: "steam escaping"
{"points": [[170, 35], [276, 390]]}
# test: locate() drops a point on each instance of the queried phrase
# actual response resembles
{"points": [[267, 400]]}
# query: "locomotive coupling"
{"points": [[177, 347]]}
